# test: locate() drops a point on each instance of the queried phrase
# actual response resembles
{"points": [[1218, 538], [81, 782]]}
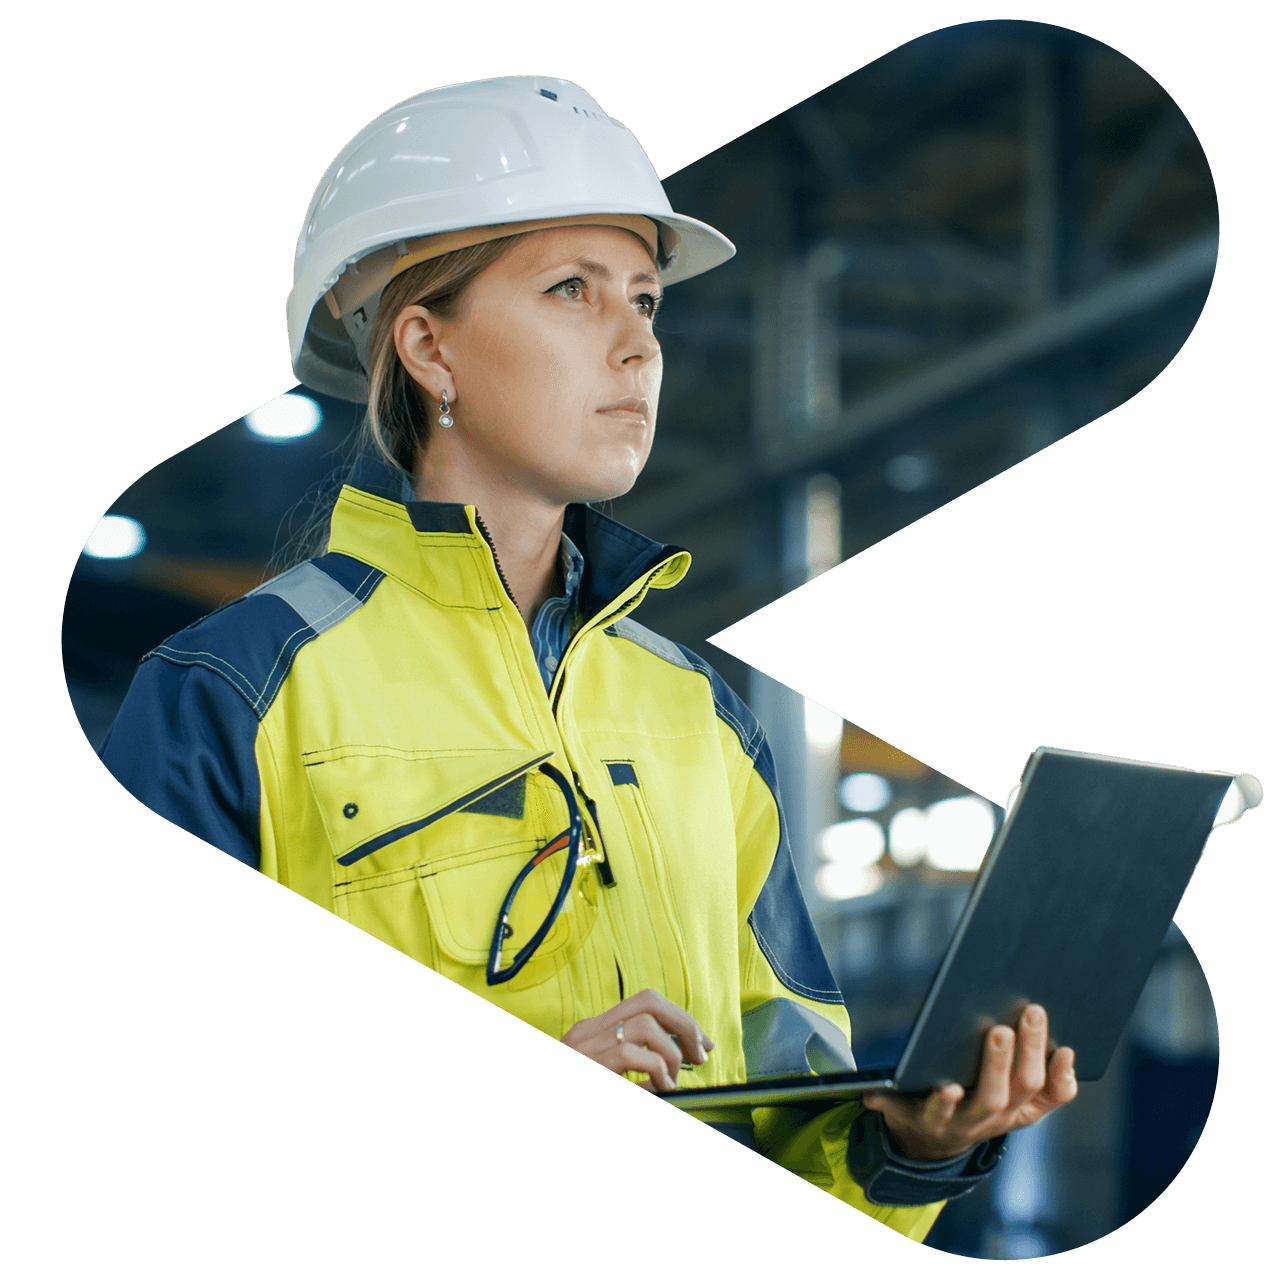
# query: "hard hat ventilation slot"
{"points": [[546, 93]]}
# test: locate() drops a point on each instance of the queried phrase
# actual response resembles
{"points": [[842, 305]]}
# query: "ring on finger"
{"points": [[621, 1032]]}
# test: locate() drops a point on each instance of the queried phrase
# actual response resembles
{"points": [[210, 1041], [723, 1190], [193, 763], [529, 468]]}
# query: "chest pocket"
{"points": [[652, 940], [425, 846]]}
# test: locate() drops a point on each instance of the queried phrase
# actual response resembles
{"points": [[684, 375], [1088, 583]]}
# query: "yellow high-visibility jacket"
{"points": [[368, 730]]}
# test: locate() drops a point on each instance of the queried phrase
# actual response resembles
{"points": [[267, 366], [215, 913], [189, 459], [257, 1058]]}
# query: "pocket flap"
{"points": [[370, 796]]}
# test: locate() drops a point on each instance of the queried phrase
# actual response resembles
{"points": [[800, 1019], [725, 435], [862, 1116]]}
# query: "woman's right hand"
{"points": [[636, 1035]]}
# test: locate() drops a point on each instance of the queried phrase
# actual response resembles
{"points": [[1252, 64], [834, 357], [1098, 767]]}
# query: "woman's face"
{"points": [[553, 368]]}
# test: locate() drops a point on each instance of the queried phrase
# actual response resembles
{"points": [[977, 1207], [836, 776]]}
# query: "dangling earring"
{"points": [[446, 419]]}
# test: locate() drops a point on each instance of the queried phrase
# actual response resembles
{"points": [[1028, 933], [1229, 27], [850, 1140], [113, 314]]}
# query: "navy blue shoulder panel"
{"points": [[780, 919], [183, 741], [252, 642]]}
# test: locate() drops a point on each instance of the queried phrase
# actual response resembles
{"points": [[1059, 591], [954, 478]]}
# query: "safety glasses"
{"points": [[570, 839]]}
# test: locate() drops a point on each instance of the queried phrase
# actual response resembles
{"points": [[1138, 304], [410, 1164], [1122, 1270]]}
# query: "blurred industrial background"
{"points": [[946, 262]]}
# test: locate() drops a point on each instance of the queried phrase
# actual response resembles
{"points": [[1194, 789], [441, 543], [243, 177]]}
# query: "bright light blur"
{"points": [[958, 833], [908, 836], [287, 417], [822, 525], [822, 728], [865, 792], [951, 835], [116, 538], [839, 880], [851, 849], [859, 842]]}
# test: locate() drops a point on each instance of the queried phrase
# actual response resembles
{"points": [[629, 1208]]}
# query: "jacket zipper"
{"points": [[606, 868], [627, 604], [497, 564]]}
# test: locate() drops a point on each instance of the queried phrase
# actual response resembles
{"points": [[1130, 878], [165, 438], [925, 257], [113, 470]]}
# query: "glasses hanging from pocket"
{"points": [[570, 839]]}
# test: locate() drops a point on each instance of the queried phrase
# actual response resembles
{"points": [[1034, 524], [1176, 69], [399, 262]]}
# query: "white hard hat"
{"points": [[490, 154]]}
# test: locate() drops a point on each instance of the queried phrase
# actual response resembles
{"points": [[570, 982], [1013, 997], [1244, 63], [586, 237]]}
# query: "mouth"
{"points": [[629, 409]]}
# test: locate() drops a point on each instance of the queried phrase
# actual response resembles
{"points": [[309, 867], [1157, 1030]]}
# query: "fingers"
{"points": [[672, 1018], [633, 1057], [1015, 1087], [636, 1035], [1062, 1077], [648, 1047], [1013, 1064], [992, 1093], [1035, 1086], [1033, 1040]]}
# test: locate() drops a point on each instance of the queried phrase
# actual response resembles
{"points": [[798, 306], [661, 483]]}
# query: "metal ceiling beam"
{"points": [[1132, 293], [1140, 179]]}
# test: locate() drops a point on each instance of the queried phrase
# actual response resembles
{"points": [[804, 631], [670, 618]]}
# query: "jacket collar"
{"points": [[616, 557]]}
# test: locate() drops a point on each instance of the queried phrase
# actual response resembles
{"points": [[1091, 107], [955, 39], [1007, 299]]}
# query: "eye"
{"points": [[576, 282], [647, 304]]}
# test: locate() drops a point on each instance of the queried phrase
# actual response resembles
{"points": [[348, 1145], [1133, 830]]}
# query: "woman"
{"points": [[448, 730]]}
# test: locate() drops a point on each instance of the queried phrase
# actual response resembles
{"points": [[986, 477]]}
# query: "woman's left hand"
{"points": [[1016, 1087]]}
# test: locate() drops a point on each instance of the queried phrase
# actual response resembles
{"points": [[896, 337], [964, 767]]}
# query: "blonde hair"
{"points": [[396, 425], [397, 422]]}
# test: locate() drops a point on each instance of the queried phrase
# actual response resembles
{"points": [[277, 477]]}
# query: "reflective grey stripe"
{"points": [[783, 1038], [314, 596], [657, 645]]}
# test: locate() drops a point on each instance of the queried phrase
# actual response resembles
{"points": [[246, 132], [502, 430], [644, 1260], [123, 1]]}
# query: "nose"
{"points": [[633, 343]]}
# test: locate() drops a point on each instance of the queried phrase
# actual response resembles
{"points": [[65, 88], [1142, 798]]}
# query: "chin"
{"points": [[616, 489], [604, 484]]}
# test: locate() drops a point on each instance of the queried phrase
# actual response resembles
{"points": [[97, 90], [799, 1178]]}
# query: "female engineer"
{"points": [[447, 728]]}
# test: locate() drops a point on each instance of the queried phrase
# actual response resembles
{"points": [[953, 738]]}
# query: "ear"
{"points": [[417, 338]]}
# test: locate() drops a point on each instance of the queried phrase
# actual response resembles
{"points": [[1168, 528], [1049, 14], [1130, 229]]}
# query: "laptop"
{"points": [[1068, 910]]}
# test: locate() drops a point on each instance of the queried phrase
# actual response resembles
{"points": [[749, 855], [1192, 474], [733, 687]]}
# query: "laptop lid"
{"points": [[1068, 910]]}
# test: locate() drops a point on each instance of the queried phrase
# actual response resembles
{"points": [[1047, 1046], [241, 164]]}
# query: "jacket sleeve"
{"points": [[183, 744], [794, 1019]]}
